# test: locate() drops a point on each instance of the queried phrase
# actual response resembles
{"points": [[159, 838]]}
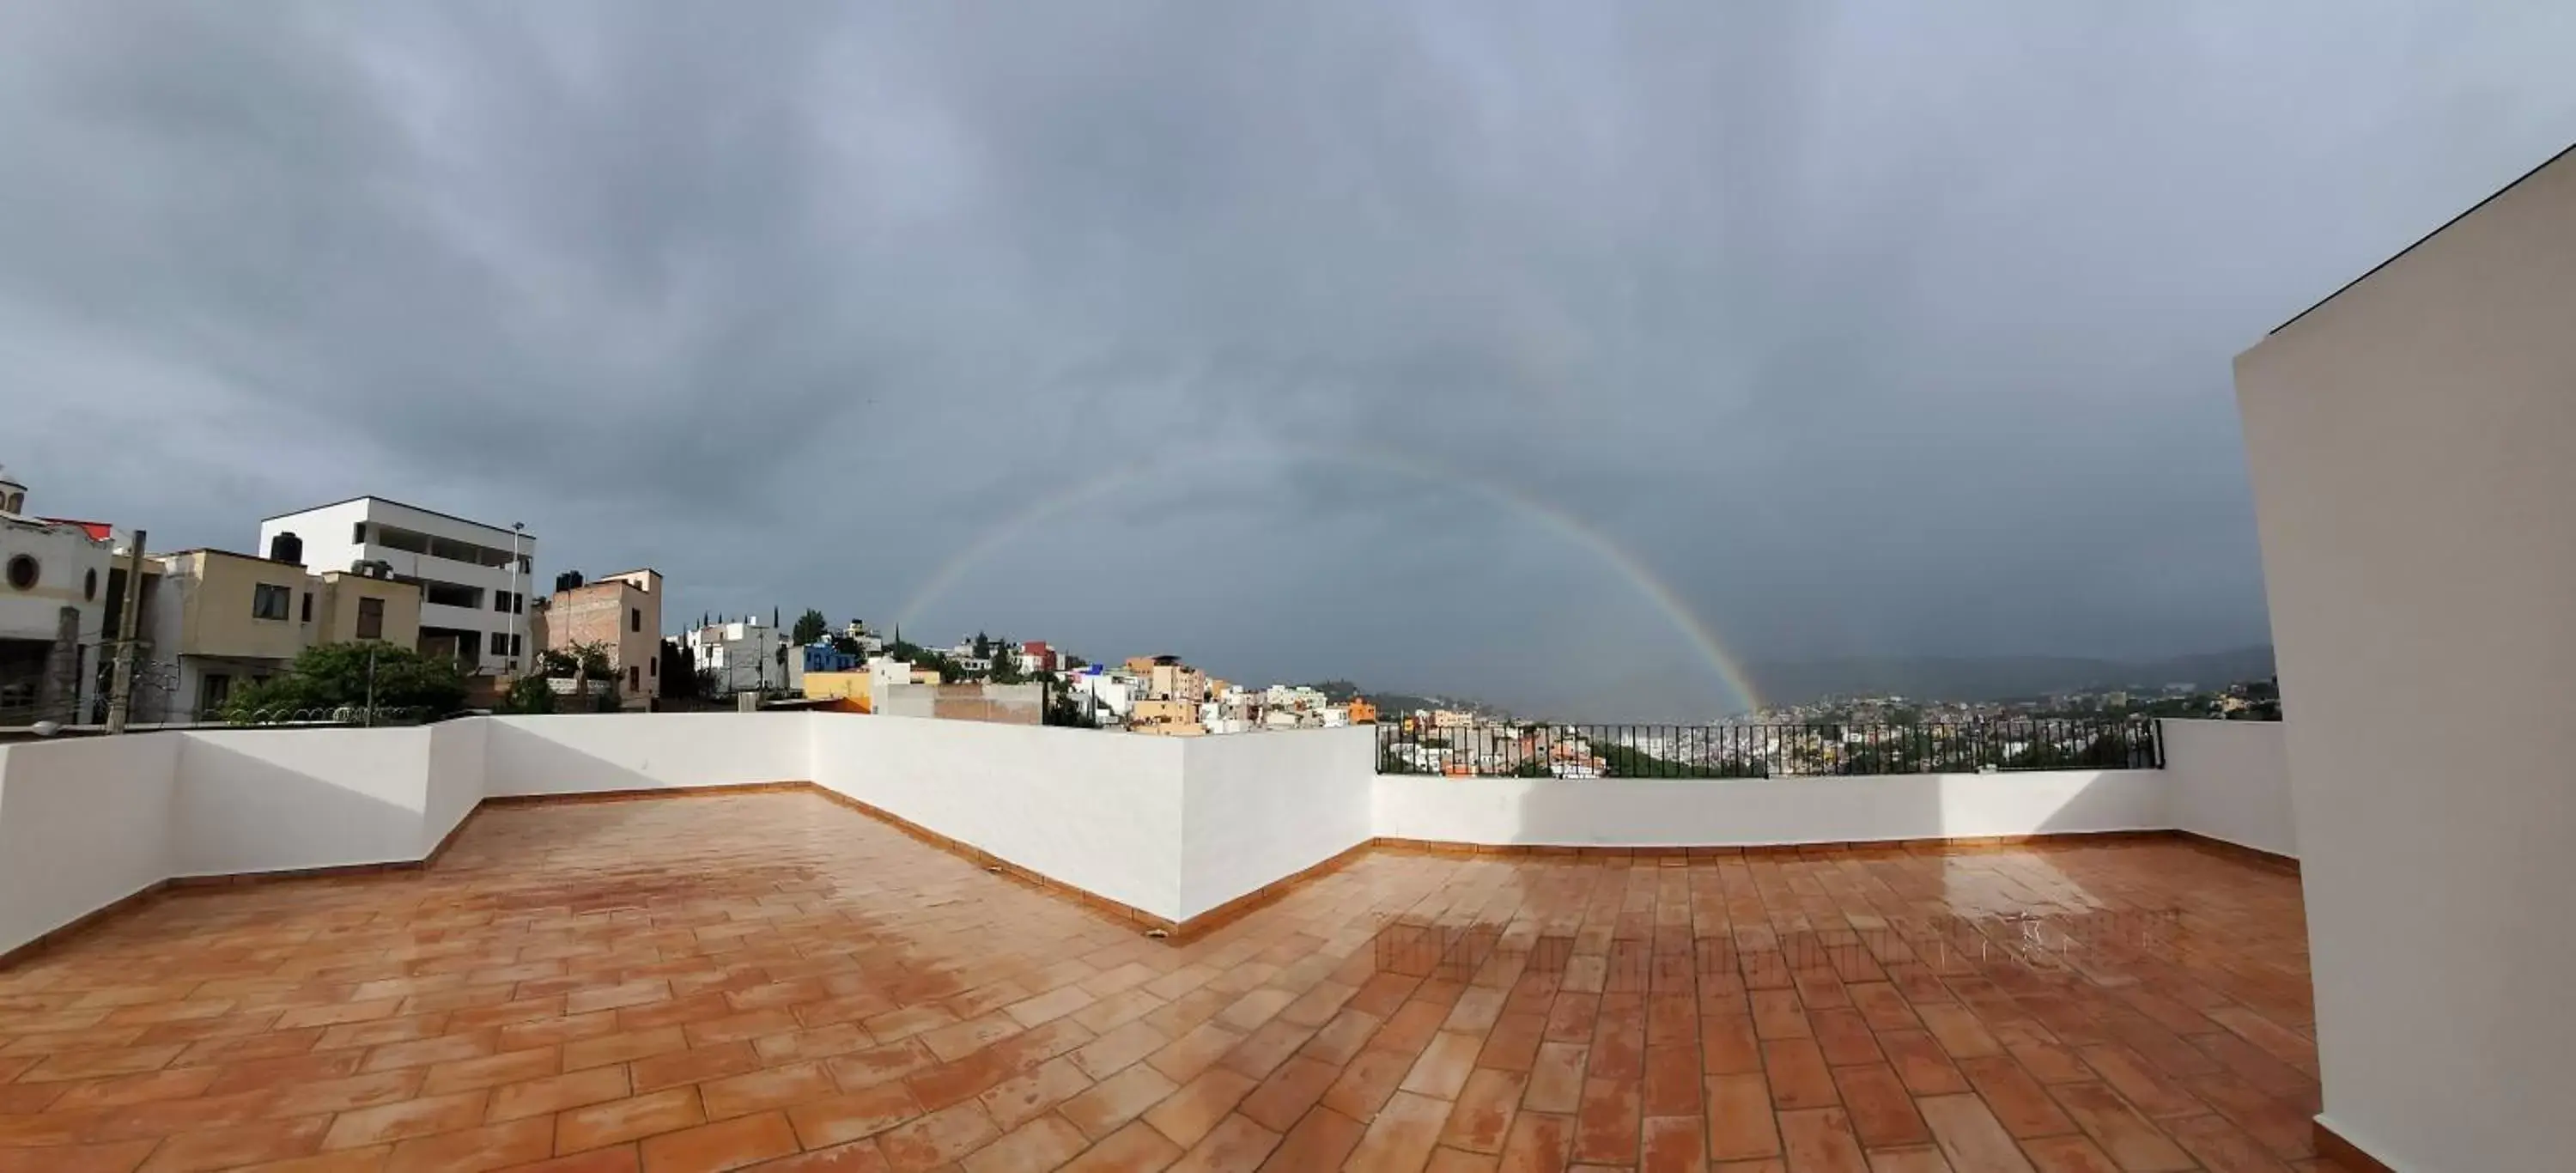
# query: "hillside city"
{"points": [[420, 613]]}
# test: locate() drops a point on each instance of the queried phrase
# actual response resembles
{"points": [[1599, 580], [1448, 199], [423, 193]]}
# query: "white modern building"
{"points": [[1107, 696], [474, 578], [745, 655]]}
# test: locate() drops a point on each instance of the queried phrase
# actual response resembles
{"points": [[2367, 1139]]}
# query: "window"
{"points": [[22, 573], [402, 539], [270, 602], [501, 600], [371, 619], [308, 608], [448, 594], [653, 667], [89, 584], [527, 564], [358, 534], [519, 603], [212, 690], [634, 679], [634, 619]]}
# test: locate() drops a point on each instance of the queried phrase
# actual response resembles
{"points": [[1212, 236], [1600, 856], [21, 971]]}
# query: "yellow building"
{"points": [[1165, 717], [856, 689], [222, 620]]}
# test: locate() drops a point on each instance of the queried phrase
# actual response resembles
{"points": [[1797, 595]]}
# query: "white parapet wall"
{"points": [[1749, 812], [83, 824], [1175, 827], [262, 800], [590, 753], [1257, 807], [2230, 781], [1099, 811]]}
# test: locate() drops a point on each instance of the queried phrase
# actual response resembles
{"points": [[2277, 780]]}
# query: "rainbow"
{"points": [[1723, 667]]}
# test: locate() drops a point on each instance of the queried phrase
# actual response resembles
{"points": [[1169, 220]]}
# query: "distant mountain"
{"points": [[1996, 678]]}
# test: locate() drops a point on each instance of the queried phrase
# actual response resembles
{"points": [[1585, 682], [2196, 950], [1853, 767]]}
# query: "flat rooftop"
{"points": [[774, 981]]}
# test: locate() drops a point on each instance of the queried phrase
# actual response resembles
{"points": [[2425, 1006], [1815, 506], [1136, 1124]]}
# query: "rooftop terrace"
{"points": [[718, 981]]}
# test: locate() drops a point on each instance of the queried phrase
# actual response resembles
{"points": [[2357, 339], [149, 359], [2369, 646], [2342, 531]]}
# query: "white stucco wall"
{"points": [[1261, 806], [1100, 811], [83, 824], [1610, 812], [454, 779], [261, 800], [593, 752], [2410, 447], [2230, 780]]}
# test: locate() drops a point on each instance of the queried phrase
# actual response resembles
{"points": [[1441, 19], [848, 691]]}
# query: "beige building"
{"points": [[856, 689], [221, 620], [1165, 716], [620, 612]]}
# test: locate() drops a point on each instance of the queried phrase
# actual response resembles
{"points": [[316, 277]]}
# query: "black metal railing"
{"points": [[1548, 750]]}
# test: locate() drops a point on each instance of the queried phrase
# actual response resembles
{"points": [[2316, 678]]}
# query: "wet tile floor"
{"points": [[771, 981]]}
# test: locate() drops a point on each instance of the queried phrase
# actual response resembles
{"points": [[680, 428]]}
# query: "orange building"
{"points": [[1362, 712]]}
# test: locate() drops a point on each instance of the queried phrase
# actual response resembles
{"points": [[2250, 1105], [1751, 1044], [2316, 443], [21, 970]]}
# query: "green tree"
{"points": [[1006, 664], [848, 646], [679, 672], [1063, 708], [983, 646], [810, 626], [529, 694], [332, 677], [577, 661]]}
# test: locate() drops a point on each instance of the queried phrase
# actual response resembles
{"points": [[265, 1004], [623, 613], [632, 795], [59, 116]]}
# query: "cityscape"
{"points": [[228, 637]]}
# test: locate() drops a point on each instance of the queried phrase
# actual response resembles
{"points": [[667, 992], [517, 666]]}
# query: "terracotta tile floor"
{"points": [[772, 981]]}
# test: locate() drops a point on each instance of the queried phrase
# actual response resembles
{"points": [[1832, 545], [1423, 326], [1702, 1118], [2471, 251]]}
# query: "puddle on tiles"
{"points": [[2080, 940]]}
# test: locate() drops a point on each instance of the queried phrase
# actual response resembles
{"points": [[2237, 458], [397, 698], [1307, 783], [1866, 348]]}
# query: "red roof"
{"points": [[99, 531]]}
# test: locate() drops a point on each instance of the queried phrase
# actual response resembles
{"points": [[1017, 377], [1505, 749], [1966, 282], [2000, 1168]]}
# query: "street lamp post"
{"points": [[518, 601]]}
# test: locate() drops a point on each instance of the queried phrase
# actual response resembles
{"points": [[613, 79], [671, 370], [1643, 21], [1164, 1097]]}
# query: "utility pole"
{"points": [[120, 688], [518, 602]]}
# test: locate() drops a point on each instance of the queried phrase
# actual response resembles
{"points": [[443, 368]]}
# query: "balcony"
{"points": [[832, 941]]}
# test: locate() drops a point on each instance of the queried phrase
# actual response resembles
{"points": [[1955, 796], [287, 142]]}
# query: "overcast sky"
{"points": [[1425, 344]]}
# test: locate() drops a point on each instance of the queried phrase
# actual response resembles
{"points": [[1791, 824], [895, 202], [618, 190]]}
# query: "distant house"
{"points": [[54, 594], [620, 612]]}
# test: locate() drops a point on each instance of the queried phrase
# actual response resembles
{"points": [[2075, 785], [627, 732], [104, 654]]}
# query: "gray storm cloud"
{"points": [[1443, 346]]}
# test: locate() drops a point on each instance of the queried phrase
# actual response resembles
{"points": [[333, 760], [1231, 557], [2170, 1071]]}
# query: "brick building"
{"points": [[621, 612]]}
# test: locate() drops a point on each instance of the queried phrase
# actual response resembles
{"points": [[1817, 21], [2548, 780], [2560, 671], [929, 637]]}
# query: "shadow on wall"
{"points": [[519, 761], [239, 811], [579, 754]]}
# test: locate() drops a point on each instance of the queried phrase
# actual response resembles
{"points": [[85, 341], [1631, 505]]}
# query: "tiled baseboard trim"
{"points": [[156, 890], [1000, 866], [1266, 894], [2241, 853], [587, 796], [2345, 1153], [130, 902]]}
